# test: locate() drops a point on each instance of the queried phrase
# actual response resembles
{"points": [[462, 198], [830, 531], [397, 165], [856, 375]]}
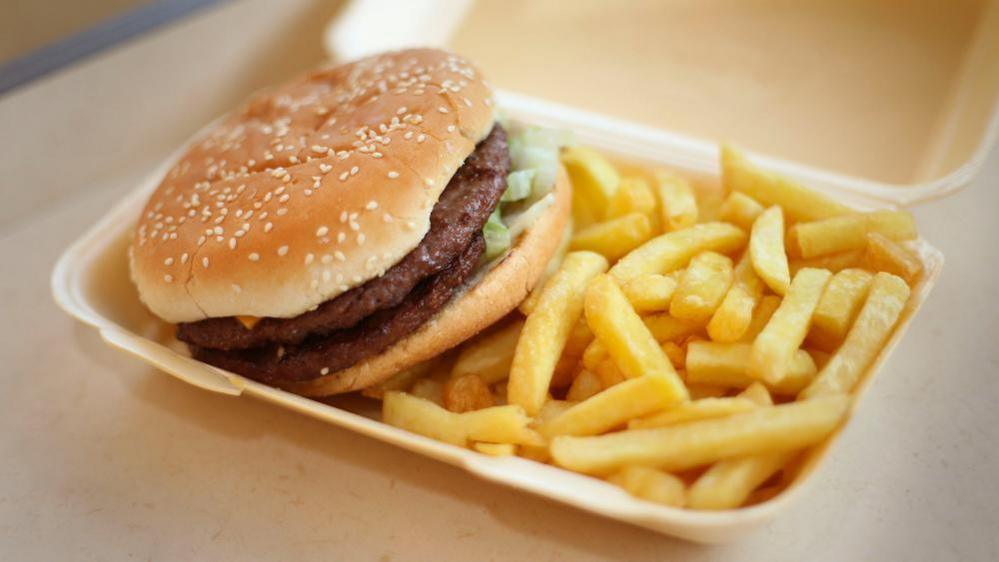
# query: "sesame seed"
{"points": [[354, 170], [360, 239], [393, 174], [254, 256], [450, 128], [309, 258], [168, 262], [281, 212], [232, 243], [340, 237], [268, 227], [344, 176], [320, 149], [324, 371], [283, 250], [442, 109], [322, 230], [429, 182], [327, 276], [372, 205], [204, 262], [183, 257], [284, 198], [325, 168], [421, 138], [387, 217], [339, 256], [168, 278]]}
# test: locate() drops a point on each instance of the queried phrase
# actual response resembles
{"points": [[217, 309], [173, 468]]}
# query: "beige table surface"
{"points": [[103, 458]]}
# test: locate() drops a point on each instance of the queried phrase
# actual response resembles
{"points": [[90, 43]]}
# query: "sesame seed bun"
{"points": [[484, 303], [310, 189]]}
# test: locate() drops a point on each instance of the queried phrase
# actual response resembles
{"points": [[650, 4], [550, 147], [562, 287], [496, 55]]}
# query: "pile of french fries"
{"points": [[691, 343]]}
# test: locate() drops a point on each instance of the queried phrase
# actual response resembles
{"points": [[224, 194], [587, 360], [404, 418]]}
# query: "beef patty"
{"points": [[463, 207], [318, 356], [370, 318]]}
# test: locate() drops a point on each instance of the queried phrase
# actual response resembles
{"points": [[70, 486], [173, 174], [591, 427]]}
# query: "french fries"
{"points": [[849, 232], [584, 386], [647, 358], [702, 409], [726, 365], [833, 262], [633, 196], [594, 183], [670, 251], [761, 315], [774, 348], [650, 484], [466, 393], [613, 407], [740, 210], [547, 329], [702, 287], [679, 447], [728, 483], [615, 237], [766, 250], [495, 449], [629, 343], [489, 356], [837, 308], [735, 313], [799, 202], [866, 338], [650, 293], [677, 201], [884, 254]]}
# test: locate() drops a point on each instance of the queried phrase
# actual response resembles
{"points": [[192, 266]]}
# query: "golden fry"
{"points": [[633, 196], [833, 262], [725, 364], [676, 201], [650, 484], [774, 349], [891, 257], [740, 210], [594, 183], [849, 232], [866, 338], [495, 449], [766, 250], [799, 202], [837, 308], [671, 251], [786, 427], [547, 329], [466, 393], [615, 237], [702, 409], [613, 407], [702, 287], [728, 483], [734, 315], [650, 293], [585, 385], [489, 355], [761, 315], [628, 341]]}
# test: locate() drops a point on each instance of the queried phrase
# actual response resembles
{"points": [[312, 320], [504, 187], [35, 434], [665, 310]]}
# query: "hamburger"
{"points": [[354, 222]]}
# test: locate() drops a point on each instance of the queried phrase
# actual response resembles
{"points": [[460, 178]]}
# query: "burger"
{"points": [[352, 223]]}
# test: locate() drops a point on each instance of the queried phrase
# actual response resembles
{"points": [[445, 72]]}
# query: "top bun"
{"points": [[310, 189]]}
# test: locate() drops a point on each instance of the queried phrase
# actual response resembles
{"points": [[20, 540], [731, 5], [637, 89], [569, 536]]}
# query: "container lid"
{"points": [[894, 102]]}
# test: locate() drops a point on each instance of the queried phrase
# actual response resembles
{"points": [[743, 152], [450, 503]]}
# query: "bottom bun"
{"points": [[481, 305]]}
